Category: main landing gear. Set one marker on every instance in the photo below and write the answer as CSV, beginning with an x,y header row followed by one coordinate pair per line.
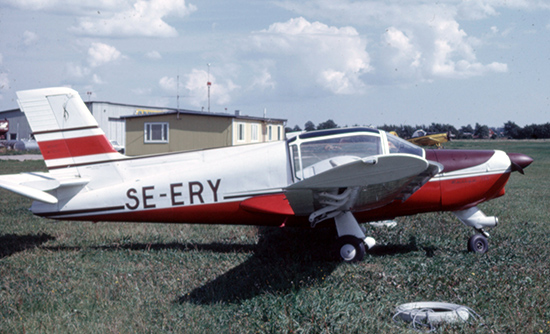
x,y
473,217
352,243
350,248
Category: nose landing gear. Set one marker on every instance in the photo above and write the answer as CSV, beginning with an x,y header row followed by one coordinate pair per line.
x,y
478,244
473,217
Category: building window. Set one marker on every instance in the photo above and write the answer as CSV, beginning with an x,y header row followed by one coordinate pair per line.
x,y
279,133
254,132
240,132
270,133
156,132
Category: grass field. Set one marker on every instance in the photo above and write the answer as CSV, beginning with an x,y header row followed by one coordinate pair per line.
x,y
69,277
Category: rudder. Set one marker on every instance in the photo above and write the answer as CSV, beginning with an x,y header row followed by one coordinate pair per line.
x,y
65,130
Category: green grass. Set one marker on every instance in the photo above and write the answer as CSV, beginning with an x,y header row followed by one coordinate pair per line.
x,y
71,277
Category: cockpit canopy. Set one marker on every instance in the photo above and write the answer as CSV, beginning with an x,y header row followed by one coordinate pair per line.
x,y
315,152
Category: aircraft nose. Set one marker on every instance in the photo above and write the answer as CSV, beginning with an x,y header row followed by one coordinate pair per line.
x,y
519,161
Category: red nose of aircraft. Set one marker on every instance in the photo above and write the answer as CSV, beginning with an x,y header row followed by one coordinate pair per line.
x,y
519,161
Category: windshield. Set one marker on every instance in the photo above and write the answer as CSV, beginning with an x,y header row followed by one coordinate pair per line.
x,y
319,155
398,145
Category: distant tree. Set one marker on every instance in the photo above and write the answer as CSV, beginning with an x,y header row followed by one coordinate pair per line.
x,y
296,128
309,126
512,130
406,131
466,132
528,132
387,128
481,131
543,131
328,124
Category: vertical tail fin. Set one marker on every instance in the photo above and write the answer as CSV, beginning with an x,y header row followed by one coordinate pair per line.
x,y
65,130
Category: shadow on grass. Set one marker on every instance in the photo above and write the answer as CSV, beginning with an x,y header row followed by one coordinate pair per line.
x,y
12,243
392,249
284,260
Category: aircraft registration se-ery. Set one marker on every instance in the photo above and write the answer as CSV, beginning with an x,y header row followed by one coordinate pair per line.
x,y
341,176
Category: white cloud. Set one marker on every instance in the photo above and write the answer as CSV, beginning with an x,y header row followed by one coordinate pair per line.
x,y
453,54
77,71
142,18
401,54
29,37
142,91
100,54
309,55
220,91
422,40
476,9
263,80
4,81
4,78
168,84
79,8
153,55
96,79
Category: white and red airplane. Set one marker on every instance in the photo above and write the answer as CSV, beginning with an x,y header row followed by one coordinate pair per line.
x,y
340,176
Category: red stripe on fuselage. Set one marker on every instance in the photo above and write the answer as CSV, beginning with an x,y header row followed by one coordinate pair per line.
x,y
75,147
215,213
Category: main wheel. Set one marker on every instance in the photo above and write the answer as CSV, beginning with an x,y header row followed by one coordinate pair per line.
x,y
350,248
478,244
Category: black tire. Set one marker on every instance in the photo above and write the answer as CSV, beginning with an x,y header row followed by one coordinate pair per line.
x,y
350,248
478,244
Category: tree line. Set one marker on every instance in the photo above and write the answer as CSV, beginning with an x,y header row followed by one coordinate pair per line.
x,y
509,130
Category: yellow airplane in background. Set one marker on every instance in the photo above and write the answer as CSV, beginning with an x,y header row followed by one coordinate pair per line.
x,y
422,138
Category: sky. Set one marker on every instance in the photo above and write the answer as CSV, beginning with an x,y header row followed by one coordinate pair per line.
x,y
356,62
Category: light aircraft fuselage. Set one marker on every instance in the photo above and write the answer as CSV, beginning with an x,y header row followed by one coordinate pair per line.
x,y
340,176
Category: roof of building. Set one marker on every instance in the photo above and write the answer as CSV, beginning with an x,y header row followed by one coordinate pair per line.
x,y
202,113
171,111
10,110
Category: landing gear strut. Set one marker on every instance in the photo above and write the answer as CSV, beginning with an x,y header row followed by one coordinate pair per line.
x,y
473,217
352,243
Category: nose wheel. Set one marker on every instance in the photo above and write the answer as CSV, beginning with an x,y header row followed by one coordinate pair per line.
x,y
478,244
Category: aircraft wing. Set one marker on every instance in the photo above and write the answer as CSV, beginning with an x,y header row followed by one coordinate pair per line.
x,y
37,185
360,185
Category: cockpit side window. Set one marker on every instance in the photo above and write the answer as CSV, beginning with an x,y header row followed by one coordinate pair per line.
x,y
399,145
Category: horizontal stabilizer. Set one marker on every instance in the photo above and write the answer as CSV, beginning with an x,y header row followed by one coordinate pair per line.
x,y
36,185
29,192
